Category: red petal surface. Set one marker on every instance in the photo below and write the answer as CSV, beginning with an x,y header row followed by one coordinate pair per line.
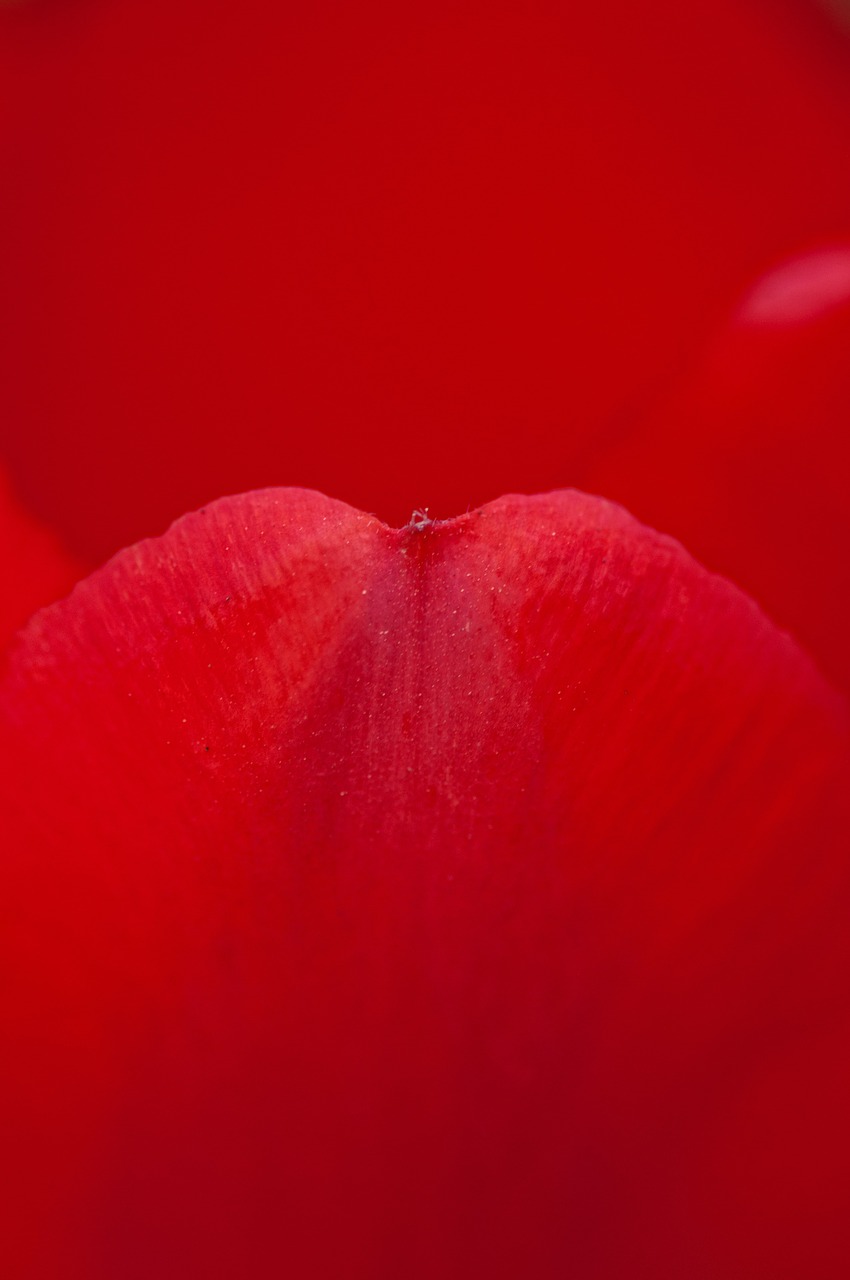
x,y
458,901
405,254
35,569
748,462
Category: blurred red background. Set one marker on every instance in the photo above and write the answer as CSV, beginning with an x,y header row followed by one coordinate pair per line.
x,y
409,255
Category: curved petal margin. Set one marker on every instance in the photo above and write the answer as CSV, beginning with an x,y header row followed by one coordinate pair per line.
x,y
464,899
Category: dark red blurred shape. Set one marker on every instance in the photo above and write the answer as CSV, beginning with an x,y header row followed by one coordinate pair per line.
x,y
35,569
748,459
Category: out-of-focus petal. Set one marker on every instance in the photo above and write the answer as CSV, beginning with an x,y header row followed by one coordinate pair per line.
x,y
800,292
34,569
748,461
465,899
406,254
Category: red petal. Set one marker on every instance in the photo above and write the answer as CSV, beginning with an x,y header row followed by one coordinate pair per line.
x,y
35,569
403,254
459,900
749,462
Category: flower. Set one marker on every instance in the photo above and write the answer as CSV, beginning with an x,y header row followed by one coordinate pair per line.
x,y
469,897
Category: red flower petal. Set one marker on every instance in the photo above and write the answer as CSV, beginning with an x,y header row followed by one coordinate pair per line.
x,y
397,252
749,461
459,900
35,569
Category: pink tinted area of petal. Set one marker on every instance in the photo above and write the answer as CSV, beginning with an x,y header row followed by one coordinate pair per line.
x,y
35,569
435,902
400,253
748,462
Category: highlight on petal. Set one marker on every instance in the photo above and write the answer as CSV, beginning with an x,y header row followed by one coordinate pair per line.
x,y
840,10
803,290
462,899
748,460
35,569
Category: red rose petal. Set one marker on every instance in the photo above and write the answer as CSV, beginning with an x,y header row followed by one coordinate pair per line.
x,y
35,569
749,460
458,900
401,253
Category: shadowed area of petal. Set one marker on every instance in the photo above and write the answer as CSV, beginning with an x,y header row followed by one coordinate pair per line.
x,y
445,901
